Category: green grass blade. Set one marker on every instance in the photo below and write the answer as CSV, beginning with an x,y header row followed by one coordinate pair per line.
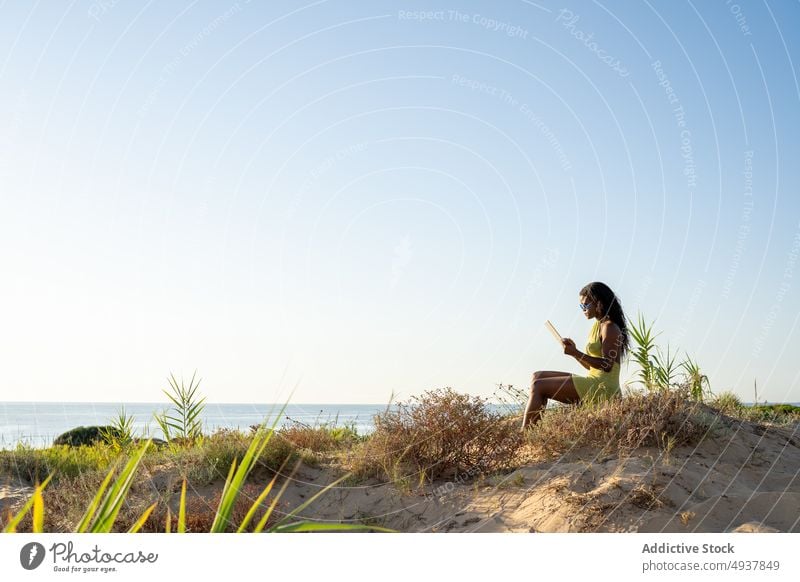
x,y
38,511
11,526
253,508
263,521
112,503
176,427
193,412
171,397
225,503
182,510
308,502
86,521
140,522
235,480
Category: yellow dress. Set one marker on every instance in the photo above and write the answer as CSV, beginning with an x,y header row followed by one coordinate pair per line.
x,y
597,385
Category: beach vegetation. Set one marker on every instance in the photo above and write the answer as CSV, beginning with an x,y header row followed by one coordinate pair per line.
x,y
120,432
727,402
112,493
441,433
234,481
182,421
659,370
643,353
699,384
323,437
661,419
510,398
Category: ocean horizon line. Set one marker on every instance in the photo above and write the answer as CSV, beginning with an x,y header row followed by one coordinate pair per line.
x,y
214,402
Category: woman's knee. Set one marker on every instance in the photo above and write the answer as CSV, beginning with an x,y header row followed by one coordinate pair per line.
x,y
551,387
538,387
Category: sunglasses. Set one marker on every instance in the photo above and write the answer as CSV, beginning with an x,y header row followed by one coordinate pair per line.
x,y
585,306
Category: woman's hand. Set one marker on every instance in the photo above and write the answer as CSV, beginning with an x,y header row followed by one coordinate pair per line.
x,y
569,346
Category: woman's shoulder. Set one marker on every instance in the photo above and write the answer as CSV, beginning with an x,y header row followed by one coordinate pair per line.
x,y
609,326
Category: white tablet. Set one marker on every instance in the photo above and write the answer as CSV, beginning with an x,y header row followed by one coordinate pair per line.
x,y
555,333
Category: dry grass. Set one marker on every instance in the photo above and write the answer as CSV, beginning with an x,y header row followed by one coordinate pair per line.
x,y
319,439
660,419
437,435
687,516
645,496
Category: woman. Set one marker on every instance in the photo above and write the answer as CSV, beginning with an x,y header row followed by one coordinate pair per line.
x,y
608,342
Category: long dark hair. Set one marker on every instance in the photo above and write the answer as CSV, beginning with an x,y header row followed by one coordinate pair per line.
x,y
609,304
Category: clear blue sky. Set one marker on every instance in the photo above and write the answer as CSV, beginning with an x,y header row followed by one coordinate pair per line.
x,y
358,198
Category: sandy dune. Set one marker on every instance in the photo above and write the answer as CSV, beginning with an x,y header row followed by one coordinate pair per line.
x,y
746,480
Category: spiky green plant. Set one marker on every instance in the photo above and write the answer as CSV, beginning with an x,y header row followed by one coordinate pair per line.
x,y
699,384
183,421
643,337
120,434
665,369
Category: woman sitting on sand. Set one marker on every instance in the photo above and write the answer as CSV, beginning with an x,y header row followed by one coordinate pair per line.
x,y
608,342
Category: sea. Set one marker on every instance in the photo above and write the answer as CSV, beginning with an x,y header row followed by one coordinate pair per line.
x,y
37,424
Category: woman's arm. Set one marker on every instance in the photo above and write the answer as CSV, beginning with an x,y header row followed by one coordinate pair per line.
x,y
588,361
579,356
610,337
571,350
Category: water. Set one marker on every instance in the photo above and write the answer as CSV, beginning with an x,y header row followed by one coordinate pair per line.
x,y
38,423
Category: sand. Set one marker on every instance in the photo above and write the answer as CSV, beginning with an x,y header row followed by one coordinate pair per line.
x,y
747,480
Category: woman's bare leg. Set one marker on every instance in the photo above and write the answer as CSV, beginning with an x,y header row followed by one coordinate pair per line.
x,y
546,385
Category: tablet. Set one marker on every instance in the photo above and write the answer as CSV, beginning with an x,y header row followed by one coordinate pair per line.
x,y
555,333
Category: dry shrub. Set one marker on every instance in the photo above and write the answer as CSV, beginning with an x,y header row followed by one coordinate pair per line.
x,y
659,419
439,434
319,439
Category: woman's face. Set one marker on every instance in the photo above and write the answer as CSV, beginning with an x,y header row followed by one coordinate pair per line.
x,y
591,311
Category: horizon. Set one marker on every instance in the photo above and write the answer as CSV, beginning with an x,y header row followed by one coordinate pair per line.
x,y
345,202
219,403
